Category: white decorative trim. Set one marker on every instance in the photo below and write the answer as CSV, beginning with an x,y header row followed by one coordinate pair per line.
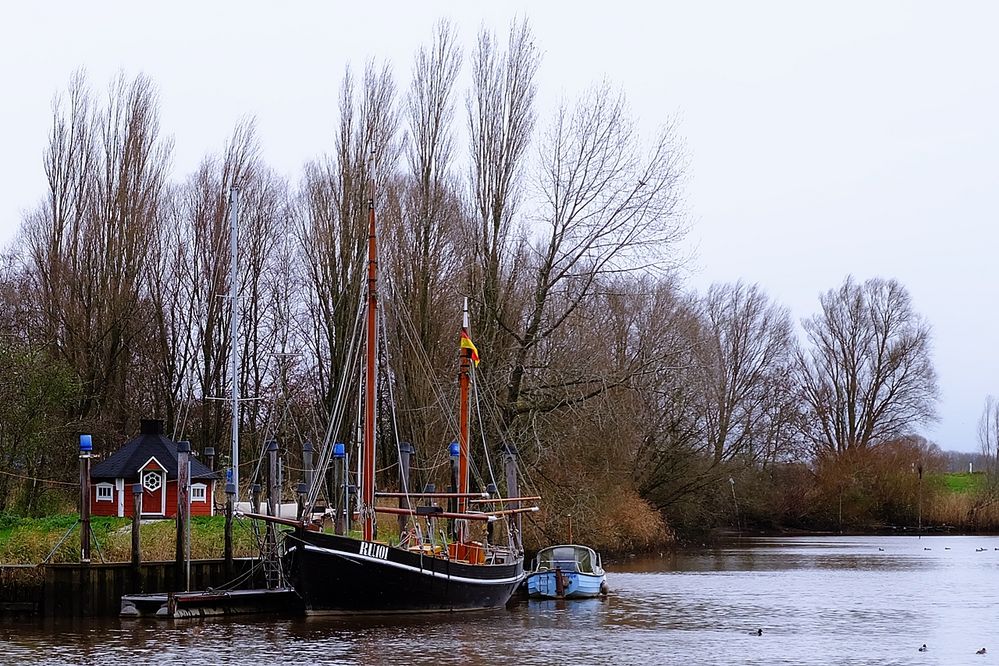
x,y
119,486
105,492
425,572
153,459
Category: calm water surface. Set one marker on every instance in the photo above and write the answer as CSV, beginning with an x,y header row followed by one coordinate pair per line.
x,y
819,600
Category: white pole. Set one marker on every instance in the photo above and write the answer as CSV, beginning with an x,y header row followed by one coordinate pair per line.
x,y
233,334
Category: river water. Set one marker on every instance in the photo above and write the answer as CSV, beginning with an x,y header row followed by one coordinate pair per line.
x,y
818,600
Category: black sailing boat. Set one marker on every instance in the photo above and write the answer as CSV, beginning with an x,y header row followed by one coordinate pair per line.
x,y
428,571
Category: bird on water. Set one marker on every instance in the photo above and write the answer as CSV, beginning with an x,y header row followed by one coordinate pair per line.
x,y
982,651
924,648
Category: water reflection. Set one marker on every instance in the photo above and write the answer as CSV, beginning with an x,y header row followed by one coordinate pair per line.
x,y
841,600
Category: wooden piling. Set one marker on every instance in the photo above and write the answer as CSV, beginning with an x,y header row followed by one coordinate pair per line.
x,y
255,497
341,519
273,509
307,451
183,576
86,447
513,490
230,494
405,452
136,540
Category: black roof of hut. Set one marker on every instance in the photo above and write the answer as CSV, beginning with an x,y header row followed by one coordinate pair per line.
x,y
149,443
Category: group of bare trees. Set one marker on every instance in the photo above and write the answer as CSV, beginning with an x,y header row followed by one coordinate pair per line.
x,y
603,371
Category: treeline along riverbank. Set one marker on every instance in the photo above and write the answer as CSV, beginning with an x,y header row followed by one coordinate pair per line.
x,y
636,404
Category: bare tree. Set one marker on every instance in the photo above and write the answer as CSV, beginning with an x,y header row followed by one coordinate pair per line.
x,y
607,210
87,243
743,354
329,217
204,276
867,377
988,433
501,119
168,351
424,262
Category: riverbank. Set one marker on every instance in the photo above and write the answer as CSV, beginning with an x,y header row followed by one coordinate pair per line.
x,y
56,539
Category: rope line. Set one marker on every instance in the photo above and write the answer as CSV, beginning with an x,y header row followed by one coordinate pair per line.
x,y
37,479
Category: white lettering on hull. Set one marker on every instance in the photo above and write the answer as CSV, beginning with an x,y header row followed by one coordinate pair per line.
x,y
375,550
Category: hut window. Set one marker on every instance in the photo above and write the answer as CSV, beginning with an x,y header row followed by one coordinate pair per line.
x,y
198,492
105,492
151,481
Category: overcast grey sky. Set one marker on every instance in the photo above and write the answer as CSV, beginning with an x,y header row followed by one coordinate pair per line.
x,y
843,138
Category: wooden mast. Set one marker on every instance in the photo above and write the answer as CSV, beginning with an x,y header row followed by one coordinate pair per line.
x,y
465,356
368,449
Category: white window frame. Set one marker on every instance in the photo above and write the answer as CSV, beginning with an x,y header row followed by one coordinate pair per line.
x,y
199,492
105,492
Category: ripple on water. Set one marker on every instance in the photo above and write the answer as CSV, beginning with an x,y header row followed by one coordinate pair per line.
x,y
818,600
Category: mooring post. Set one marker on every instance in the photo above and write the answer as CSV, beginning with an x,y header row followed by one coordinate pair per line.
x,y
305,487
86,449
230,494
513,490
183,580
430,524
301,491
308,480
493,493
454,451
341,519
273,509
136,541
255,497
405,453
273,487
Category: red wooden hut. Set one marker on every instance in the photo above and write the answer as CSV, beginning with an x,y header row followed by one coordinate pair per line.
x,y
150,458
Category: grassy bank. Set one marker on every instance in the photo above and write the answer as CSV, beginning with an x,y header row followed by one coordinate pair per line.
x,y
57,538
964,501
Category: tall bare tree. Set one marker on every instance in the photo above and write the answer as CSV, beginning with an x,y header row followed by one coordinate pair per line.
x,y
204,276
329,216
867,376
607,209
988,434
422,245
501,118
106,168
743,354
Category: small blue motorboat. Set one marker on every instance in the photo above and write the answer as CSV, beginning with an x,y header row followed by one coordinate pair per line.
x,y
568,571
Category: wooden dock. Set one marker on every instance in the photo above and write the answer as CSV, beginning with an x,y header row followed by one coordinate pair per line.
x,y
97,589
176,605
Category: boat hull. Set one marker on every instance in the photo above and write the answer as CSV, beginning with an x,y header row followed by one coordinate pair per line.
x,y
335,574
544,585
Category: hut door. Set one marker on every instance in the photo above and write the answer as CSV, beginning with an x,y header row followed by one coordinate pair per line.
x,y
153,492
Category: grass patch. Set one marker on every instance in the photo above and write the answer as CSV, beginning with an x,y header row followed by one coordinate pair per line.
x,y
963,482
31,540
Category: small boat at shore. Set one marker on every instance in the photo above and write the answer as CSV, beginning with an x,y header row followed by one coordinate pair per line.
x,y
568,571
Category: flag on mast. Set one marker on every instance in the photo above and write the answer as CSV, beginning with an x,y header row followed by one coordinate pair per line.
x,y
466,343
